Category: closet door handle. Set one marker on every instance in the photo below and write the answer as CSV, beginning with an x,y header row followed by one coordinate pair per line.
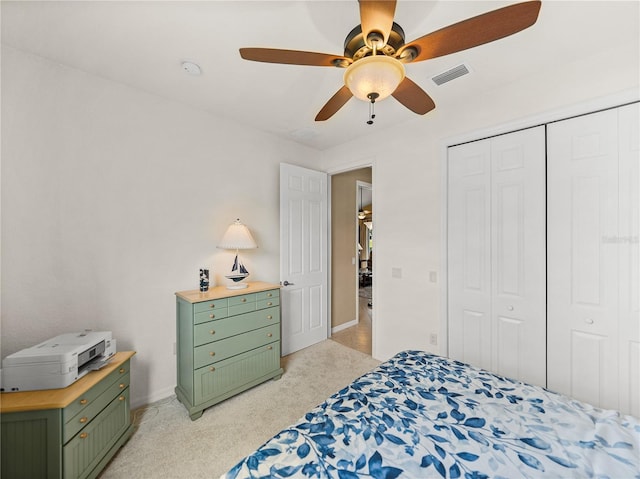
x,y
589,321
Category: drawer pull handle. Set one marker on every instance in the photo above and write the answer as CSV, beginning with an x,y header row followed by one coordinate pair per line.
x,y
212,353
212,369
212,306
269,347
269,335
83,420
121,398
212,316
269,316
122,370
84,435
212,332
83,401
122,385
589,321
244,300
269,303
269,295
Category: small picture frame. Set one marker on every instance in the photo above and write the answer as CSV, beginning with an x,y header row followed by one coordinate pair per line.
x,y
204,279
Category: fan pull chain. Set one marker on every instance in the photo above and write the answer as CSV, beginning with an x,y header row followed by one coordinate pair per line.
x,y
372,114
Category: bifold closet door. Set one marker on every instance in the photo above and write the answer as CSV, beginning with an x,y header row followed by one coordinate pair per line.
x,y
469,253
593,351
496,251
629,258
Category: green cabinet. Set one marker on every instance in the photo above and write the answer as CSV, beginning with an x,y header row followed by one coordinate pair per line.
x,y
71,432
227,342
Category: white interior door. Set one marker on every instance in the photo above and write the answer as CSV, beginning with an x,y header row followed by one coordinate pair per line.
x,y
629,258
303,257
469,253
583,258
496,254
518,249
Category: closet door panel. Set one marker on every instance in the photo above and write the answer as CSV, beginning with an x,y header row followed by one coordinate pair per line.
x,y
469,267
629,258
518,251
582,188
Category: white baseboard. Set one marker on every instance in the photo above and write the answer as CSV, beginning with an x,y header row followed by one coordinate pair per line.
x,y
151,398
344,326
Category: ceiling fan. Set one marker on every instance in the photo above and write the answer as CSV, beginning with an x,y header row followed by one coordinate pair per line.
x,y
375,53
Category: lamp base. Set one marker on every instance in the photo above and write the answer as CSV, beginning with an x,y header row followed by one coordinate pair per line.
x,y
238,286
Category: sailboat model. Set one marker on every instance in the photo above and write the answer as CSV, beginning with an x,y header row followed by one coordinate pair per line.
x,y
238,271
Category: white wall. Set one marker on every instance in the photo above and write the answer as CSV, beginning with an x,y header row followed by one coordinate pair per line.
x,y
408,183
112,199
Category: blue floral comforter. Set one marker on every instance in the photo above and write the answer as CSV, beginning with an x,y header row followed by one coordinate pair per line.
x,y
424,416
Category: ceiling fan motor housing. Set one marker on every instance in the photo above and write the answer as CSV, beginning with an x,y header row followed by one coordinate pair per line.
x,y
355,45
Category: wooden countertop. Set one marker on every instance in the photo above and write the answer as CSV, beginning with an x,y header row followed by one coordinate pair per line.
x,y
59,398
219,292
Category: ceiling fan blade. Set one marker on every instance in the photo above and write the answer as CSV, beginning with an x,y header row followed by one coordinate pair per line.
x,y
377,16
413,97
294,57
474,31
336,102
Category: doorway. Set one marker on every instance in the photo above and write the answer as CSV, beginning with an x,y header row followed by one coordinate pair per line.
x,y
352,259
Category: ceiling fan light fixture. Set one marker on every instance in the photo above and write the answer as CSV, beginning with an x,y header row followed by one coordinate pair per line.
x,y
374,74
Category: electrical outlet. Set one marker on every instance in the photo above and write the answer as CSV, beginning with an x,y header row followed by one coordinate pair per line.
x,y
396,273
434,339
433,276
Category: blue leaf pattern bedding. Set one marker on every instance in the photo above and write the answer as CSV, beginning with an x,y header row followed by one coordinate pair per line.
x,y
423,416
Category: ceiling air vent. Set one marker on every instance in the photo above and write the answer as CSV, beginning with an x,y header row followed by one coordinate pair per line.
x,y
449,75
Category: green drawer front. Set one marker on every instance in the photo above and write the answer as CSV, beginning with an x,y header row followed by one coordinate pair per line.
x,y
217,330
245,298
219,350
211,315
236,372
85,450
92,394
272,293
267,303
242,308
85,416
210,305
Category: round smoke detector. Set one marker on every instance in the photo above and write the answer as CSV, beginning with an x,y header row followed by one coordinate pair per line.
x,y
191,68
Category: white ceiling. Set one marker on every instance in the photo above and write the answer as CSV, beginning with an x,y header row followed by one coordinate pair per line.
x,y
142,44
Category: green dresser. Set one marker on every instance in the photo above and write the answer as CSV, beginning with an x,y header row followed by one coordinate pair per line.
x,y
227,342
71,432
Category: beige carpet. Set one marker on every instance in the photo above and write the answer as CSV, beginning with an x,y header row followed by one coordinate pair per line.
x,y
168,444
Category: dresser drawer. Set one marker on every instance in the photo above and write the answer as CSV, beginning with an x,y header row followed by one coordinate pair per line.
x,y
243,299
267,303
84,401
85,416
233,373
219,350
210,305
210,315
273,293
217,330
85,451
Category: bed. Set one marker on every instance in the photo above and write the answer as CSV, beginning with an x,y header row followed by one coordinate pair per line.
x,y
420,415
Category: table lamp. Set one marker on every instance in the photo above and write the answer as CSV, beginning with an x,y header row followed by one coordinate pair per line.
x,y
237,237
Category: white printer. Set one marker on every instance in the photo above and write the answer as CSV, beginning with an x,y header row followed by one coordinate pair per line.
x,y
58,362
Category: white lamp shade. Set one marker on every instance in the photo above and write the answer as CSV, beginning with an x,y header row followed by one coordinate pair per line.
x,y
237,236
375,74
